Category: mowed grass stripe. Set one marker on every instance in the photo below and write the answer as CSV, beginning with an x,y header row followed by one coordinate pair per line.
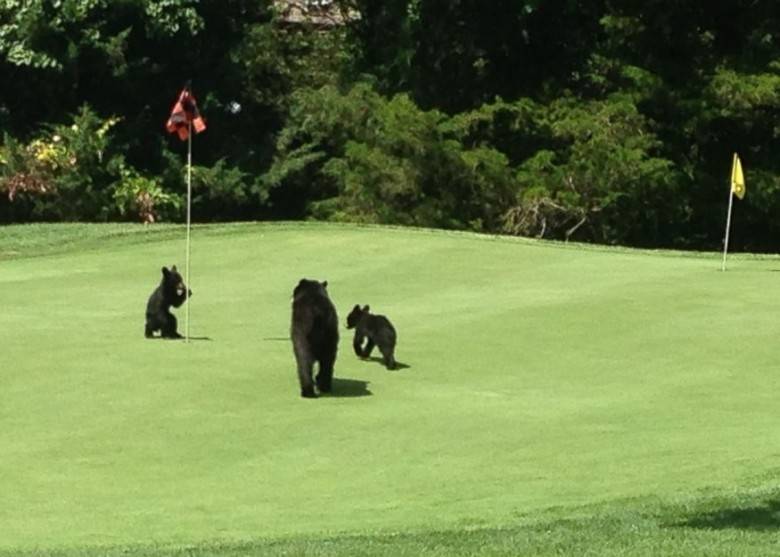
x,y
539,378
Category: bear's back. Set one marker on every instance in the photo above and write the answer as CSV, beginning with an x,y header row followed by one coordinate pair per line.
x,y
379,325
312,308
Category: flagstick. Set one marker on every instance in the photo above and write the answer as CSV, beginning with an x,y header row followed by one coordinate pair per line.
x,y
189,220
728,227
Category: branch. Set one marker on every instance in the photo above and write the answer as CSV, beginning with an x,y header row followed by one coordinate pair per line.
x,y
574,228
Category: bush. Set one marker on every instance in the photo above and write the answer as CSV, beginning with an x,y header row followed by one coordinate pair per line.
x,y
65,173
24,178
143,198
358,156
600,179
222,192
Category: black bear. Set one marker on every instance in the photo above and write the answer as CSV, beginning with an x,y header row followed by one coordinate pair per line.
x,y
315,335
377,329
171,292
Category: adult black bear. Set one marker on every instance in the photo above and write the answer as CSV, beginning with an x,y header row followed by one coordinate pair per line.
x,y
377,329
171,292
315,335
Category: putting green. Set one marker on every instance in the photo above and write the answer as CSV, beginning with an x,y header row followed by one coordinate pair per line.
x,y
539,377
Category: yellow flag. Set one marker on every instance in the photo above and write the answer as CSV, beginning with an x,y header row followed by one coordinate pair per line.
x,y
737,178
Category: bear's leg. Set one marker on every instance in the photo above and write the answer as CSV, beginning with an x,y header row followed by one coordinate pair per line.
x,y
305,363
387,356
325,375
357,344
150,327
169,326
368,348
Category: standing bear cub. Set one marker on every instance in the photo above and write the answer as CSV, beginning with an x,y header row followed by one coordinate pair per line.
x,y
315,335
377,329
171,292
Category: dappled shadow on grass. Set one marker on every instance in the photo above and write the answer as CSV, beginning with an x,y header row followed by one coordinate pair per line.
x,y
398,365
763,517
349,388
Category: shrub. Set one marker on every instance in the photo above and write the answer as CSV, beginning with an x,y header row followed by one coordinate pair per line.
x,y
143,198
66,172
358,156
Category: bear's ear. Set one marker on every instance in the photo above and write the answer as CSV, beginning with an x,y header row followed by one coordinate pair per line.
x,y
356,308
173,268
165,271
365,308
325,284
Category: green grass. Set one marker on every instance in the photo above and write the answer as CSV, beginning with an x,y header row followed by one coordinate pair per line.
x,y
558,399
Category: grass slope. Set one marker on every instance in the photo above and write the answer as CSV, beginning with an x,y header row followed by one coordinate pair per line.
x,y
556,399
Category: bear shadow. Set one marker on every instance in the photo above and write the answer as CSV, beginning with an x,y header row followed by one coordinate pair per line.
x,y
398,365
349,388
764,517
182,339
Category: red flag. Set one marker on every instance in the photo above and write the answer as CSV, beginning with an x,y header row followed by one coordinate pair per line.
x,y
185,111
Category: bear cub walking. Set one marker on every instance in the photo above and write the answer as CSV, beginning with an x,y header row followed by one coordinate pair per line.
x,y
315,335
377,329
171,292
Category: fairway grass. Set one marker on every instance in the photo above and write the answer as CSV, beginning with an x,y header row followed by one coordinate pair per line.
x,y
556,400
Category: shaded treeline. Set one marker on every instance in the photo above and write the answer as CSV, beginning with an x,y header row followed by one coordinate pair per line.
x,y
604,121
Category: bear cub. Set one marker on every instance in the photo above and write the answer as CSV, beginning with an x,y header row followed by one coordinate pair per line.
x,y
377,329
171,292
315,335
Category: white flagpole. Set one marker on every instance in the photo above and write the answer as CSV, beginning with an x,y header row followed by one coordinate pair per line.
x,y
189,221
728,217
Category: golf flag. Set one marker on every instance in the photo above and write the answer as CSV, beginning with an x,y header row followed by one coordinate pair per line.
x,y
737,178
184,112
184,118
737,188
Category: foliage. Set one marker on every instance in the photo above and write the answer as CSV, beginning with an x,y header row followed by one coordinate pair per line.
x,y
603,171
601,121
24,169
275,61
224,192
33,32
376,160
143,198
68,169
739,95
